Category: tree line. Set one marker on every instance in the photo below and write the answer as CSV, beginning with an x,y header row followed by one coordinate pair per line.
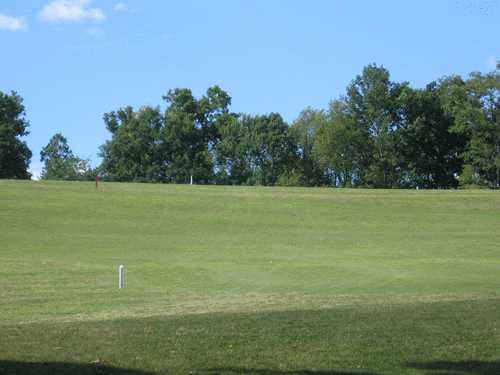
x,y
380,133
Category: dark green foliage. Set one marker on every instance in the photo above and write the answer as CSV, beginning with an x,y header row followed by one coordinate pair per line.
x,y
380,134
474,105
199,138
342,147
304,132
271,148
372,102
234,152
190,130
429,153
470,179
479,119
133,153
14,153
61,163
386,134
149,146
254,150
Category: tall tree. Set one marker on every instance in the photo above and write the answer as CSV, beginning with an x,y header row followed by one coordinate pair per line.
x,y
341,146
185,138
373,103
483,151
429,152
134,151
304,132
149,146
475,105
233,154
255,150
14,153
271,148
213,109
191,132
60,163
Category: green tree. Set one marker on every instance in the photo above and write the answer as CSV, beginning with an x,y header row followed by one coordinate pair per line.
x,y
469,178
272,150
373,102
304,133
341,147
148,146
212,110
134,152
475,106
255,150
14,153
185,139
233,154
429,152
191,133
483,116
61,164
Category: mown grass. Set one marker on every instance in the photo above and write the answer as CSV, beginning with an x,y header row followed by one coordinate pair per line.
x,y
247,280
462,337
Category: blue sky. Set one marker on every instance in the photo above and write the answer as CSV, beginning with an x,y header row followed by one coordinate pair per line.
x,y
73,60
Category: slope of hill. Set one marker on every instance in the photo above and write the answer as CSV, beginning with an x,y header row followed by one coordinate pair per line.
x,y
229,280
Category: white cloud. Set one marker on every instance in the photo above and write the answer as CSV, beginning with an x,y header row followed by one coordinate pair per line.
x,y
491,62
9,23
71,11
121,7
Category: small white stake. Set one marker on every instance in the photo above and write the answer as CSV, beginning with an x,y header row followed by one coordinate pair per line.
x,y
191,181
121,276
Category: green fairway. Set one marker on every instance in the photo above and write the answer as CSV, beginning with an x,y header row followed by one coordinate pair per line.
x,y
228,280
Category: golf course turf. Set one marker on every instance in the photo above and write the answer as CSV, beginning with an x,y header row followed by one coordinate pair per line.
x,y
247,280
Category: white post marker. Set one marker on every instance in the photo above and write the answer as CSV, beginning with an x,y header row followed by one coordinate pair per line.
x,y
121,276
191,181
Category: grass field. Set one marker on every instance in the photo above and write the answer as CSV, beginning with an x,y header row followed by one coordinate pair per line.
x,y
247,280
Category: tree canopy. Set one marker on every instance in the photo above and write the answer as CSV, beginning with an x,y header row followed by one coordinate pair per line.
x,y
380,133
61,164
14,153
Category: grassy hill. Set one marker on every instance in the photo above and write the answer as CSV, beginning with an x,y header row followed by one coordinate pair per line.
x,y
237,280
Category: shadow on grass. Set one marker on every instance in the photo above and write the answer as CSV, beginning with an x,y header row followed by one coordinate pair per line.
x,y
462,367
255,371
60,368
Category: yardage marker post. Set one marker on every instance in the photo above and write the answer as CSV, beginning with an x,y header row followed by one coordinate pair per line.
x,y
121,276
